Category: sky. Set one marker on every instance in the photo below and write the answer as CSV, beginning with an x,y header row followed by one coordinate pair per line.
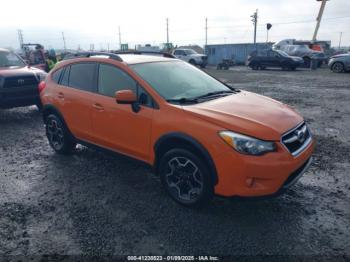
x,y
144,22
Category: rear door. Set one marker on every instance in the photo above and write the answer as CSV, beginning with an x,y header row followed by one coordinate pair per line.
x,y
117,126
75,96
274,58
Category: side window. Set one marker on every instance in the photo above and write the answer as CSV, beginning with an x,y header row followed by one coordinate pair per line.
x,y
65,76
111,79
56,75
81,76
177,52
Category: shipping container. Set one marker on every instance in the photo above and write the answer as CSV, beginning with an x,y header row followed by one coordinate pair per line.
x,y
238,52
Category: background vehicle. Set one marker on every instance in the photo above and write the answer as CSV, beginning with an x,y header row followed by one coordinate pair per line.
x,y
305,49
187,130
18,82
273,58
340,63
191,56
226,64
34,55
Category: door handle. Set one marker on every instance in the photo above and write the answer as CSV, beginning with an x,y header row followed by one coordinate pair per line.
x,y
60,95
98,107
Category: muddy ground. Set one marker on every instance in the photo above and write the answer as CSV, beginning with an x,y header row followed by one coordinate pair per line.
x,y
94,203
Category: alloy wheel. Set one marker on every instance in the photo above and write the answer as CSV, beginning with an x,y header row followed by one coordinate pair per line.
x,y
184,179
55,134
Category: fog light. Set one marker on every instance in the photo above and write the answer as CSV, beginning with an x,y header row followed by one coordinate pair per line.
x,y
250,181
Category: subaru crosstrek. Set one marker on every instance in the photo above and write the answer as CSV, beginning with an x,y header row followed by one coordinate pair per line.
x,y
201,136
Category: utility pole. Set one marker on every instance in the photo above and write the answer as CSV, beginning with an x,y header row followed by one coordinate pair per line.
x,y
318,19
255,23
64,42
120,39
206,32
340,37
20,38
167,31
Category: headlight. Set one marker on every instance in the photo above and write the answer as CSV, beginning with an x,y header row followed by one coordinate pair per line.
x,y
247,145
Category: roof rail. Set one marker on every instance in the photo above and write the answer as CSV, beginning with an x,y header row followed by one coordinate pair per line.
x,y
89,54
164,54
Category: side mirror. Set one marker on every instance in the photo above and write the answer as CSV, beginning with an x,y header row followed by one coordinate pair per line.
x,y
127,97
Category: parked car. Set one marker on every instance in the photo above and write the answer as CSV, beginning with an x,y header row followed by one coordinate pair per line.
x,y
18,81
261,59
201,136
191,57
340,63
306,53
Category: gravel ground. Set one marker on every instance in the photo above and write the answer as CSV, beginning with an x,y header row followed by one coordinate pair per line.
x,y
94,203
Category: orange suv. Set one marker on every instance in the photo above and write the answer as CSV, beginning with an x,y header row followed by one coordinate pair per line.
x,y
201,136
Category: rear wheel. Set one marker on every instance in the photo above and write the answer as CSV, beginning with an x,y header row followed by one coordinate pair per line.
x,y
58,135
337,67
186,177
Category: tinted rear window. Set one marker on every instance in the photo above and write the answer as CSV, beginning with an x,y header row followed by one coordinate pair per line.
x,y
81,76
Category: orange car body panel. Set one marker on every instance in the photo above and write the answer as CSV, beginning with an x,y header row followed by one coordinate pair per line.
x,y
99,120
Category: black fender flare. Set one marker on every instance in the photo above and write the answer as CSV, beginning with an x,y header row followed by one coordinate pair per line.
x,y
190,141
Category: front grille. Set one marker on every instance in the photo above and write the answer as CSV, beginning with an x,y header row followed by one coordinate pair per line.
x,y
297,139
20,81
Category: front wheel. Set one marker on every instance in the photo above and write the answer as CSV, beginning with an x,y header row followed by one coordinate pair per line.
x,y
186,178
337,67
58,135
192,62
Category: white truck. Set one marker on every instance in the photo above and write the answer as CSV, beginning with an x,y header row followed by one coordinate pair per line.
x,y
191,57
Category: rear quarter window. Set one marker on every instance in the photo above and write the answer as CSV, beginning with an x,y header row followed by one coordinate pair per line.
x,y
82,76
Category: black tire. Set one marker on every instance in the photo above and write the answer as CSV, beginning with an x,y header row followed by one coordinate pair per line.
x,y
180,170
338,67
58,135
255,66
203,66
192,62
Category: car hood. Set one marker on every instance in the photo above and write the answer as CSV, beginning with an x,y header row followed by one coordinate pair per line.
x,y
341,55
248,113
15,71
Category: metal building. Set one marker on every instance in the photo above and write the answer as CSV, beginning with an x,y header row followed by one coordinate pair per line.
x,y
238,52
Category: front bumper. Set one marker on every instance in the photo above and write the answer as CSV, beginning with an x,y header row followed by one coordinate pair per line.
x,y
17,97
252,176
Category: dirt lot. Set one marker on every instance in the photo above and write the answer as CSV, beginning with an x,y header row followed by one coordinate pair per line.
x,y
97,204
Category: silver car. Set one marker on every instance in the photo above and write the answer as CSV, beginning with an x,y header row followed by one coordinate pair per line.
x,y
339,63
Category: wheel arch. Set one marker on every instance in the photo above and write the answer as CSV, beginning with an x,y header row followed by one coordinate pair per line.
x,y
51,109
180,140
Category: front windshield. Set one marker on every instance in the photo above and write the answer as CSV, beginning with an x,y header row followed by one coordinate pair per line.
x,y
178,80
8,59
190,52
282,53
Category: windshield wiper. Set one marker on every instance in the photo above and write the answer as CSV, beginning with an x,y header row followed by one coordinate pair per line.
x,y
183,100
210,94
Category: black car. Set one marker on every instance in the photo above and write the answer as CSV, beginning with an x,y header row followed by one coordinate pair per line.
x,y
18,81
261,59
